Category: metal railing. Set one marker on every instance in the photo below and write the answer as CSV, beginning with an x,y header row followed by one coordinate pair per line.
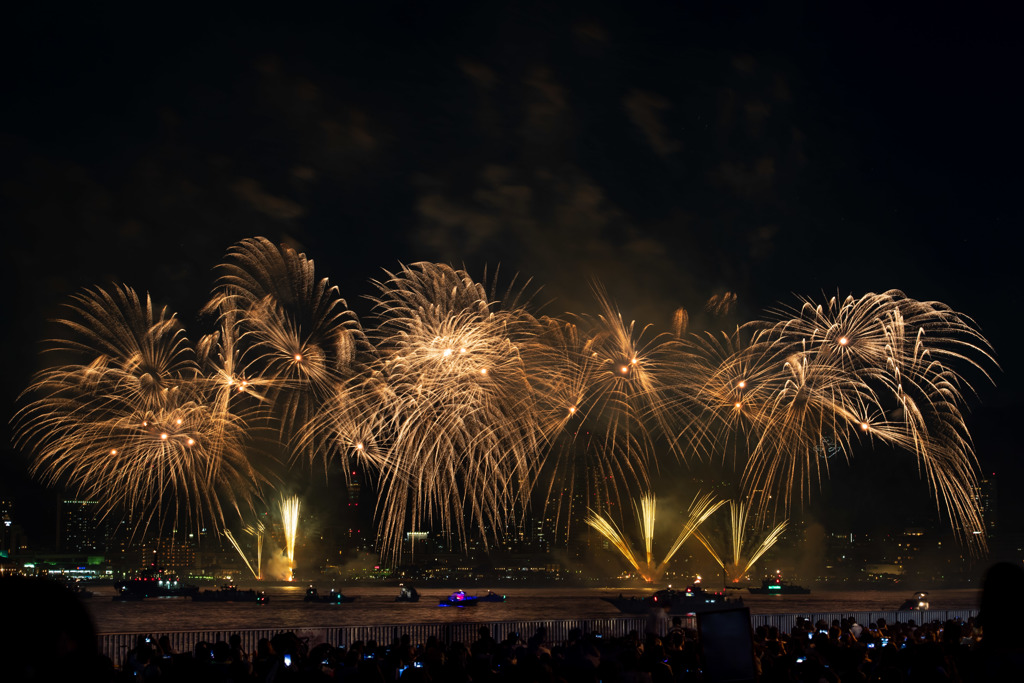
x,y
117,645
786,622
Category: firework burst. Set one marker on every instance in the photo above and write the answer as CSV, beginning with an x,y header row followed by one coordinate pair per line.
x,y
461,403
700,509
287,337
604,391
450,396
128,421
737,560
839,377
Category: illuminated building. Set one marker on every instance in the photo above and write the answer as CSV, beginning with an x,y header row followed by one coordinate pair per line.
x,y
985,495
77,528
6,528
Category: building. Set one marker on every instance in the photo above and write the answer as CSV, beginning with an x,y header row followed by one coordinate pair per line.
x,y
985,496
6,528
78,531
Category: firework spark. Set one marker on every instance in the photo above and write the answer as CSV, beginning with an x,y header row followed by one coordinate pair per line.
x,y
290,523
241,553
700,509
461,403
289,339
128,420
741,558
257,531
879,368
604,388
450,397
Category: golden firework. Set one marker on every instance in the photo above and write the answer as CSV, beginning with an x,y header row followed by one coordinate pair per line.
x,y
738,558
290,525
700,509
461,403
831,379
127,420
449,395
289,339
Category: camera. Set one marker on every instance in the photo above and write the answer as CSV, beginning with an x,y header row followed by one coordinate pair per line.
x,y
287,660
871,645
801,660
885,641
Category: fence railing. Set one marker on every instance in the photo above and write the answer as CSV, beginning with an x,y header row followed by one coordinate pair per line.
x,y
117,645
786,622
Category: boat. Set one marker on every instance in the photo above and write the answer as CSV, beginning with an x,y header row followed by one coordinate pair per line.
x,y
407,594
918,602
153,583
332,598
694,598
459,599
491,597
776,585
75,586
230,593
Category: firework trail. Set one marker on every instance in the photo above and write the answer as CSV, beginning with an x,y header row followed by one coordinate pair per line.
x,y
241,553
741,558
700,509
257,531
290,523
128,420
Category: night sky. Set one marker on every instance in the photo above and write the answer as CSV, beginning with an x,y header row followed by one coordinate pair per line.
x,y
672,153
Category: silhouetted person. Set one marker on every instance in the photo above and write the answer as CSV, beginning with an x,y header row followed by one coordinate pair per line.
x,y
1001,649
46,634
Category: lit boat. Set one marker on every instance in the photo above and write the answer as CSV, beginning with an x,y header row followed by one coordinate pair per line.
x,y
491,597
458,599
693,599
407,594
230,593
332,598
918,602
777,586
153,583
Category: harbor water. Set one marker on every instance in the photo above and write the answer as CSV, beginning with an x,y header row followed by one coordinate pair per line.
x,y
375,605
